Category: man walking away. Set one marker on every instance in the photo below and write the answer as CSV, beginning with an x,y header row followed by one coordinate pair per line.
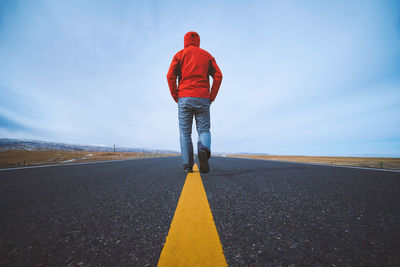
x,y
193,66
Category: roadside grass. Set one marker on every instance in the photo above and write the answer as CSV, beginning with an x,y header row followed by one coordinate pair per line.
x,y
17,158
384,163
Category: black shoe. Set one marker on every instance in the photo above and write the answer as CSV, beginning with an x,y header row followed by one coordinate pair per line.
x,y
188,169
203,159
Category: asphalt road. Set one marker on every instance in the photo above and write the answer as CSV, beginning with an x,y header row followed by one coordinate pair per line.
x,y
267,213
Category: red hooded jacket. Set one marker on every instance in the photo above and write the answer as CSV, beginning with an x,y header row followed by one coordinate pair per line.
x,y
192,66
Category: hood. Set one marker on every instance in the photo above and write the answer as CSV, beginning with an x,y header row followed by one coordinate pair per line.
x,y
191,38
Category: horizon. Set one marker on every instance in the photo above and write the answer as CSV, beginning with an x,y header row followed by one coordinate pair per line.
x,y
300,78
216,152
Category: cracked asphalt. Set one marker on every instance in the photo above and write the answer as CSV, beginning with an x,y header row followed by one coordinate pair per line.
x,y
267,213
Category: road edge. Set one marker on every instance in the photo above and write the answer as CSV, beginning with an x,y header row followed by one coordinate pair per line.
x,y
76,163
319,164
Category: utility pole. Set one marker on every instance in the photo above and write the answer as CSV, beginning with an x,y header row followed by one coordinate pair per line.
x,y
114,149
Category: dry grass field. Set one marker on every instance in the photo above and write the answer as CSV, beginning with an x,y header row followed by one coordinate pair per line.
x,y
16,158
386,163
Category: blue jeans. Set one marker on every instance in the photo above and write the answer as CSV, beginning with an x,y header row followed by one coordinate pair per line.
x,y
200,109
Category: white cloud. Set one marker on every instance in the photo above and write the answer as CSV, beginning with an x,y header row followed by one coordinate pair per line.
x,y
297,76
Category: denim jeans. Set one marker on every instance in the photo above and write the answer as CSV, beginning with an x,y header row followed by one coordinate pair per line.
x,y
200,109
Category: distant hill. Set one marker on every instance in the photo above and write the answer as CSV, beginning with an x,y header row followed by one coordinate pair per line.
x,y
24,144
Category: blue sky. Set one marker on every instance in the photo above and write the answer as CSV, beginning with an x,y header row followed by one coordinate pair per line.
x,y
300,77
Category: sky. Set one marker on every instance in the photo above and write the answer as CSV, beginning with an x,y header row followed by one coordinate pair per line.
x,y
300,77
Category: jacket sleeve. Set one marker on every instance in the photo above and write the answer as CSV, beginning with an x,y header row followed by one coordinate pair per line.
x,y
172,74
217,79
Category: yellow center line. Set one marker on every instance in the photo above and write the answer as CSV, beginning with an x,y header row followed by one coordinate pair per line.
x,y
193,238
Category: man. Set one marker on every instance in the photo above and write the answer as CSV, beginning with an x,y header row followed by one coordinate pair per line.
x,y
193,66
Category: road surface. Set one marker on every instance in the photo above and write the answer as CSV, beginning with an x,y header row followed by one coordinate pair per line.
x,y
266,213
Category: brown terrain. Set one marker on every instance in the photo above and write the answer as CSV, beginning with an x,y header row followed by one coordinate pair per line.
x,y
16,158
385,163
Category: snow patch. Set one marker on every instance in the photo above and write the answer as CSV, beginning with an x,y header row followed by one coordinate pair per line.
x,y
69,160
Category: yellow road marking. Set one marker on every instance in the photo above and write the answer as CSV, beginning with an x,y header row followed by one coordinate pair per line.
x,y
193,238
